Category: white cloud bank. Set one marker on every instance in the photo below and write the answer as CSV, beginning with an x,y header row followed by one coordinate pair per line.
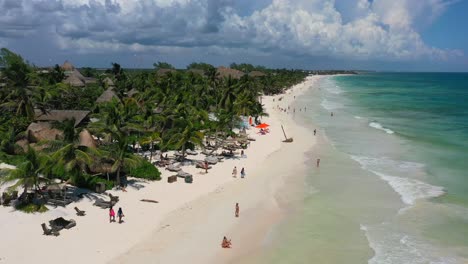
x,y
379,29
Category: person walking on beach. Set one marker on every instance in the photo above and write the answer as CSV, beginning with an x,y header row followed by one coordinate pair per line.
x,y
318,163
234,172
206,166
111,215
242,173
120,215
242,154
237,210
315,131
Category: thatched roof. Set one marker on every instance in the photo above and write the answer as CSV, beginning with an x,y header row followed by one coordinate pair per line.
x,y
256,74
107,96
62,115
197,71
86,139
226,72
165,71
90,80
73,80
132,92
42,131
67,66
108,81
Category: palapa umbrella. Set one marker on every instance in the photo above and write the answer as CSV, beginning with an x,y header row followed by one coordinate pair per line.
x,y
262,125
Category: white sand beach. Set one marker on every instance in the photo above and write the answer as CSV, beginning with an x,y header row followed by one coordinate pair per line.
x,y
190,220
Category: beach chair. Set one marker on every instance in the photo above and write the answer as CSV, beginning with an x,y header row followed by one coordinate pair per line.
x,y
48,231
113,198
79,212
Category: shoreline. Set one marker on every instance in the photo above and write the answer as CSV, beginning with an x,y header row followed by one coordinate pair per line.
x,y
179,204
199,227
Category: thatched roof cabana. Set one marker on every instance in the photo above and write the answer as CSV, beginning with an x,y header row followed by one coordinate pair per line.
x,y
107,96
74,80
86,139
226,72
165,71
62,115
38,131
108,81
67,66
132,92
197,71
256,74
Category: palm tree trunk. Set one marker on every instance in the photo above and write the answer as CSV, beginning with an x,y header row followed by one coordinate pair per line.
x,y
118,177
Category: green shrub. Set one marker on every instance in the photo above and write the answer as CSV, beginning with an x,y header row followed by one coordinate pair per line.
x,y
89,182
31,208
145,170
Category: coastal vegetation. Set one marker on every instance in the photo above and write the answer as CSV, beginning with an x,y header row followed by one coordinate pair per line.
x,y
57,123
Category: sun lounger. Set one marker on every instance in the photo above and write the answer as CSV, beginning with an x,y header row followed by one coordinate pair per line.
x,y
211,160
173,167
191,152
113,198
49,232
201,164
79,212
183,174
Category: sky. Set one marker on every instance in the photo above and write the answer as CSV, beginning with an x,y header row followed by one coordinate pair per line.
x,y
384,35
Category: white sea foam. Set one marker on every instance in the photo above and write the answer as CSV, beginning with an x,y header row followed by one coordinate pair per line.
x,y
329,105
378,126
357,117
334,90
391,246
385,162
411,190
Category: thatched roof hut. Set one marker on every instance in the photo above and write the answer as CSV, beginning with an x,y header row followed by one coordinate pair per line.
x,y
73,80
61,115
108,81
38,131
86,139
197,71
226,72
67,66
164,71
107,96
132,92
256,74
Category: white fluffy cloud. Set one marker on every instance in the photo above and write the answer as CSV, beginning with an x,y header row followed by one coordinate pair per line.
x,y
379,29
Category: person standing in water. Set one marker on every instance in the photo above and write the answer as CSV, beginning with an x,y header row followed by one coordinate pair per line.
x,y
237,210
120,215
331,114
315,131
318,163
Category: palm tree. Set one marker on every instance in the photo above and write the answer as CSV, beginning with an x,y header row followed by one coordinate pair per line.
x,y
27,173
188,135
150,139
17,74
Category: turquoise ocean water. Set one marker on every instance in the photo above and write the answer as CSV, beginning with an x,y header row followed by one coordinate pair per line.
x,y
392,186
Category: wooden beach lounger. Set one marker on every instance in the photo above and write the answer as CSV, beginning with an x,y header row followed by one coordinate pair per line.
x,y
79,212
49,232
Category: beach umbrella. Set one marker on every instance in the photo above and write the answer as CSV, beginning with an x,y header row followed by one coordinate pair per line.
x,y
263,125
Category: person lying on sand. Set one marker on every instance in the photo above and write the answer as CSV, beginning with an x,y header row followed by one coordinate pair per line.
x,y
226,243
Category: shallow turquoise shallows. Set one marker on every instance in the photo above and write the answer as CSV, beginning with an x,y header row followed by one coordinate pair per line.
x,y
392,186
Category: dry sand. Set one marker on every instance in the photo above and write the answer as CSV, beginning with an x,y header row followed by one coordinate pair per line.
x,y
189,221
